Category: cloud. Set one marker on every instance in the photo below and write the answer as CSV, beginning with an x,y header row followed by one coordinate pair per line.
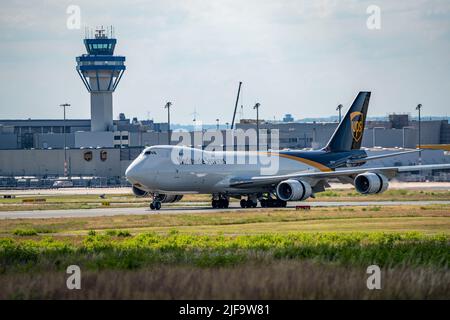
x,y
300,57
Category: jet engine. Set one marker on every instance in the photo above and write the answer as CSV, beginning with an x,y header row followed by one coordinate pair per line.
x,y
371,183
139,192
169,198
293,190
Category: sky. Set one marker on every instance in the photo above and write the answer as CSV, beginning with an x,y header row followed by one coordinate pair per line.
x,y
298,57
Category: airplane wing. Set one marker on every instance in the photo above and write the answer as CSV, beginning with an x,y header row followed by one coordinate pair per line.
x,y
344,173
381,156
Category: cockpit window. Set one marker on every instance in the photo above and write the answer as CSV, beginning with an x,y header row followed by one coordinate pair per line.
x,y
149,152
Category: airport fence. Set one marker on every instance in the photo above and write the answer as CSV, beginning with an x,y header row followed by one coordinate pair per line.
x,y
7,183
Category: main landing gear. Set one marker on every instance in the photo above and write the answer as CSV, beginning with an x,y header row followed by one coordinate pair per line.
x,y
220,202
266,201
272,203
248,203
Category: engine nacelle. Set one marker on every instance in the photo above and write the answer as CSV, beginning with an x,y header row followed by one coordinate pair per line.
x,y
139,192
293,190
169,198
371,183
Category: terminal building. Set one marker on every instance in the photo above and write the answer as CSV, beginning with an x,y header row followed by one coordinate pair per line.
x,y
33,150
97,151
397,131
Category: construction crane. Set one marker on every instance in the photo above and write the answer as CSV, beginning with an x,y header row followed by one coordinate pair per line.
x,y
236,104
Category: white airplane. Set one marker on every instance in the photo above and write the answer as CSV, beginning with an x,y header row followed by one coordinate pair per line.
x,y
300,174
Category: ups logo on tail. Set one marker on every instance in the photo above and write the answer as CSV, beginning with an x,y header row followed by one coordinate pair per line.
x,y
357,120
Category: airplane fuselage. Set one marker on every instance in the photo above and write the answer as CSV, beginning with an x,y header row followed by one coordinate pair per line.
x,y
156,169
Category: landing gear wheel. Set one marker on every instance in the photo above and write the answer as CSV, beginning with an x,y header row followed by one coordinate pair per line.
x,y
263,203
155,205
250,204
280,203
273,203
221,203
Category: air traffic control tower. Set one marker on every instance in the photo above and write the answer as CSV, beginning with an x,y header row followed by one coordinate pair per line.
x,y
101,71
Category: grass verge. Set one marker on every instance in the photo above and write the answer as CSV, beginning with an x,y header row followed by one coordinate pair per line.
x,y
98,252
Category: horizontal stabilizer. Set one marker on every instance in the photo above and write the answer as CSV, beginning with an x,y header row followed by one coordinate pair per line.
x,y
381,156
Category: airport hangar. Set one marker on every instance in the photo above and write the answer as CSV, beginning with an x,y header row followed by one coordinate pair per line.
x,y
97,151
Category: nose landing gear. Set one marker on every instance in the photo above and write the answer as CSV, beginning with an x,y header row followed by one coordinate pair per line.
x,y
155,204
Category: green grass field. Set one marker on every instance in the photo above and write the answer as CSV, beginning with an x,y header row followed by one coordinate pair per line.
x,y
251,254
429,219
123,251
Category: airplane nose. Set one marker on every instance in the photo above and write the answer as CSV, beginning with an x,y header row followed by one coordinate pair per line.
x,y
131,173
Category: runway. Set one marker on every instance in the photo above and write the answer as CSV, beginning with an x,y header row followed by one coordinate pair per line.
x,y
127,190
194,208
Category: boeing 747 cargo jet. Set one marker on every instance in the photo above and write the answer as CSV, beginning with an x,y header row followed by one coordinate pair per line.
x,y
299,175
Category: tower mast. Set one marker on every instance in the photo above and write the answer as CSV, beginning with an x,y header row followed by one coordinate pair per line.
x,y
101,71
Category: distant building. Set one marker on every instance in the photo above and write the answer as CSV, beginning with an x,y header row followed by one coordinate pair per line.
x,y
250,121
49,133
399,121
288,118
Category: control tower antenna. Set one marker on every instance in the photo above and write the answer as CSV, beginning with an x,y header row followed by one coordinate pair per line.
x,y
101,71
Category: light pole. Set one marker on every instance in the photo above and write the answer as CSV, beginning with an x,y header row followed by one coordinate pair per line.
x,y
167,106
227,123
419,108
64,105
339,107
217,123
257,125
